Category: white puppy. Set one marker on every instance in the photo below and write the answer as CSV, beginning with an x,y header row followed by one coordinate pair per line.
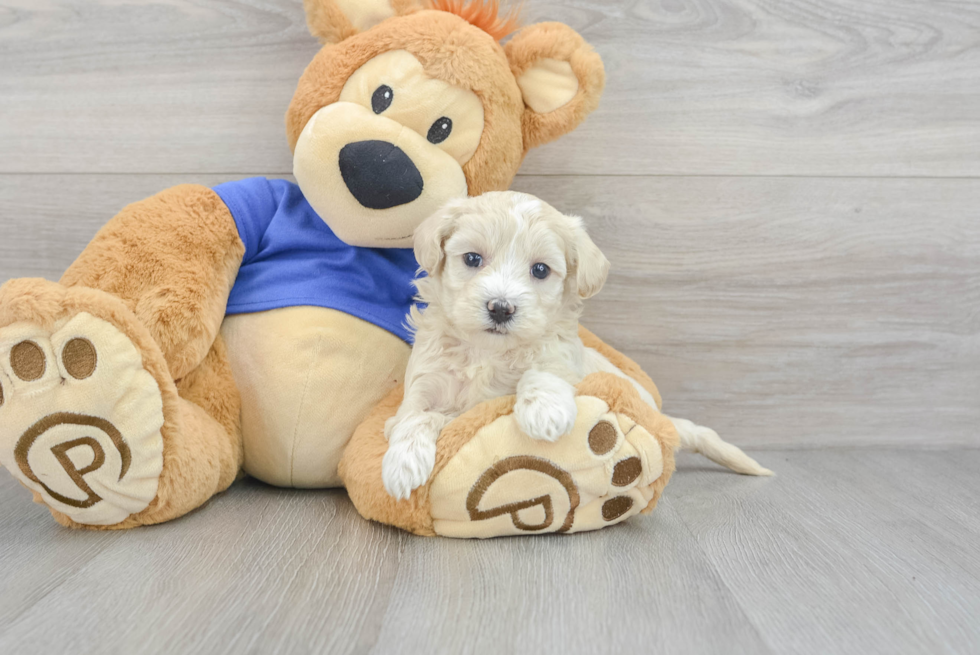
x,y
507,274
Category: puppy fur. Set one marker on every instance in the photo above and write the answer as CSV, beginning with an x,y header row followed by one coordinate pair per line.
x,y
480,254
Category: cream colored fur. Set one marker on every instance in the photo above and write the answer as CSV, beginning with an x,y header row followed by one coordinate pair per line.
x,y
549,84
462,357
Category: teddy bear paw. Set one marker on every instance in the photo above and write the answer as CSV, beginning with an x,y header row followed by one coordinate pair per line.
x,y
80,418
605,470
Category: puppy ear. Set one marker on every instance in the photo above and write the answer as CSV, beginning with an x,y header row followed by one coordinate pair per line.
x,y
591,266
560,76
431,235
332,21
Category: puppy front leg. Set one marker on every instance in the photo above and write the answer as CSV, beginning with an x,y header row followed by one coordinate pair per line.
x,y
545,407
412,434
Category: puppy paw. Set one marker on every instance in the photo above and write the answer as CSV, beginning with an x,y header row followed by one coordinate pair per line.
x,y
407,466
545,407
411,453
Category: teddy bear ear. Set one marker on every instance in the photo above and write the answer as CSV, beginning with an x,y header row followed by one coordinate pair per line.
x,y
332,21
560,76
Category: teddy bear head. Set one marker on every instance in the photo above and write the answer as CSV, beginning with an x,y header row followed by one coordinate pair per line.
x,y
409,105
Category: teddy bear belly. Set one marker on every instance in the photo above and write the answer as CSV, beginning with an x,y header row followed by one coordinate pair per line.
x,y
307,376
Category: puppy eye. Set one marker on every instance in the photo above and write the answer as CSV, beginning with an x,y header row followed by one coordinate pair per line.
x,y
440,130
472,260
382,98
540,271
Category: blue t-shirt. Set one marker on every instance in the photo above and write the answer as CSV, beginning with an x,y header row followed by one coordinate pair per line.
x,y
292,258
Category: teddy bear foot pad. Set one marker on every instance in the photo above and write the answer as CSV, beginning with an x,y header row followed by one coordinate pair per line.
x,y
599,474
80,418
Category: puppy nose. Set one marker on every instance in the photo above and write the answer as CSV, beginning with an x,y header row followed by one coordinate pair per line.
x,y
500,310
379,174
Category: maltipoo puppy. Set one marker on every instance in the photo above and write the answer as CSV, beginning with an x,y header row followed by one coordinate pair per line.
x,y
506,277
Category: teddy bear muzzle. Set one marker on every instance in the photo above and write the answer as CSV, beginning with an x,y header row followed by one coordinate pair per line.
x,y
371,179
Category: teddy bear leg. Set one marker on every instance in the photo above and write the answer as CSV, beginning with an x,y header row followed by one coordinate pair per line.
x,y
172,258
613,464
490,479
91,420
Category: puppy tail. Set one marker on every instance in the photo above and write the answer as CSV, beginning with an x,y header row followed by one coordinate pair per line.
x,y
699,439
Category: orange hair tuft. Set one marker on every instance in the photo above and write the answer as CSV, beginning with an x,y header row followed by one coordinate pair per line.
x,y
484,14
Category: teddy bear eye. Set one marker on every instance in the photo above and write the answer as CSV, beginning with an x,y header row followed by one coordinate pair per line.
x,y
472,259
440,130
382,98
540,271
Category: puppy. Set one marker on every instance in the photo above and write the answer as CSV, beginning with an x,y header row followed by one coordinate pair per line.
x,y
506,277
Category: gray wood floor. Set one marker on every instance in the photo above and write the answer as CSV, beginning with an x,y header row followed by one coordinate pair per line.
x,y
789,193
846,551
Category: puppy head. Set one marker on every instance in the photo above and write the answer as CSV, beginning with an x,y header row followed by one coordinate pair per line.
x,y
507,268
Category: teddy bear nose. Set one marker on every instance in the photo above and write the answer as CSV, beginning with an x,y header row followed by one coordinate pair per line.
x,y
379,174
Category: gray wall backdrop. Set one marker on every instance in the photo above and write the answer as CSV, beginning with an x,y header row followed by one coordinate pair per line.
x,y
789,191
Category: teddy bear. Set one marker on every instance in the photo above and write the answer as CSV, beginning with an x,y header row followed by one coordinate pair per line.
x,y
258,327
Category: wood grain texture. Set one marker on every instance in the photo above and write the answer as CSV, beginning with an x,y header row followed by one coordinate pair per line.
x,y
780,311
879,575
644,588
255,569
846,551
735,87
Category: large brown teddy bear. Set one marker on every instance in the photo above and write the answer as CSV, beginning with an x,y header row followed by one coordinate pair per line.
x,y
252,328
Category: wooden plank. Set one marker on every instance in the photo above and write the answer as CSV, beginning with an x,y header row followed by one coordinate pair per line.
x,y
182,86
265,570
939,490
826,558
36,555
256,568
737,87
846,551
795,87
780,311
639,588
